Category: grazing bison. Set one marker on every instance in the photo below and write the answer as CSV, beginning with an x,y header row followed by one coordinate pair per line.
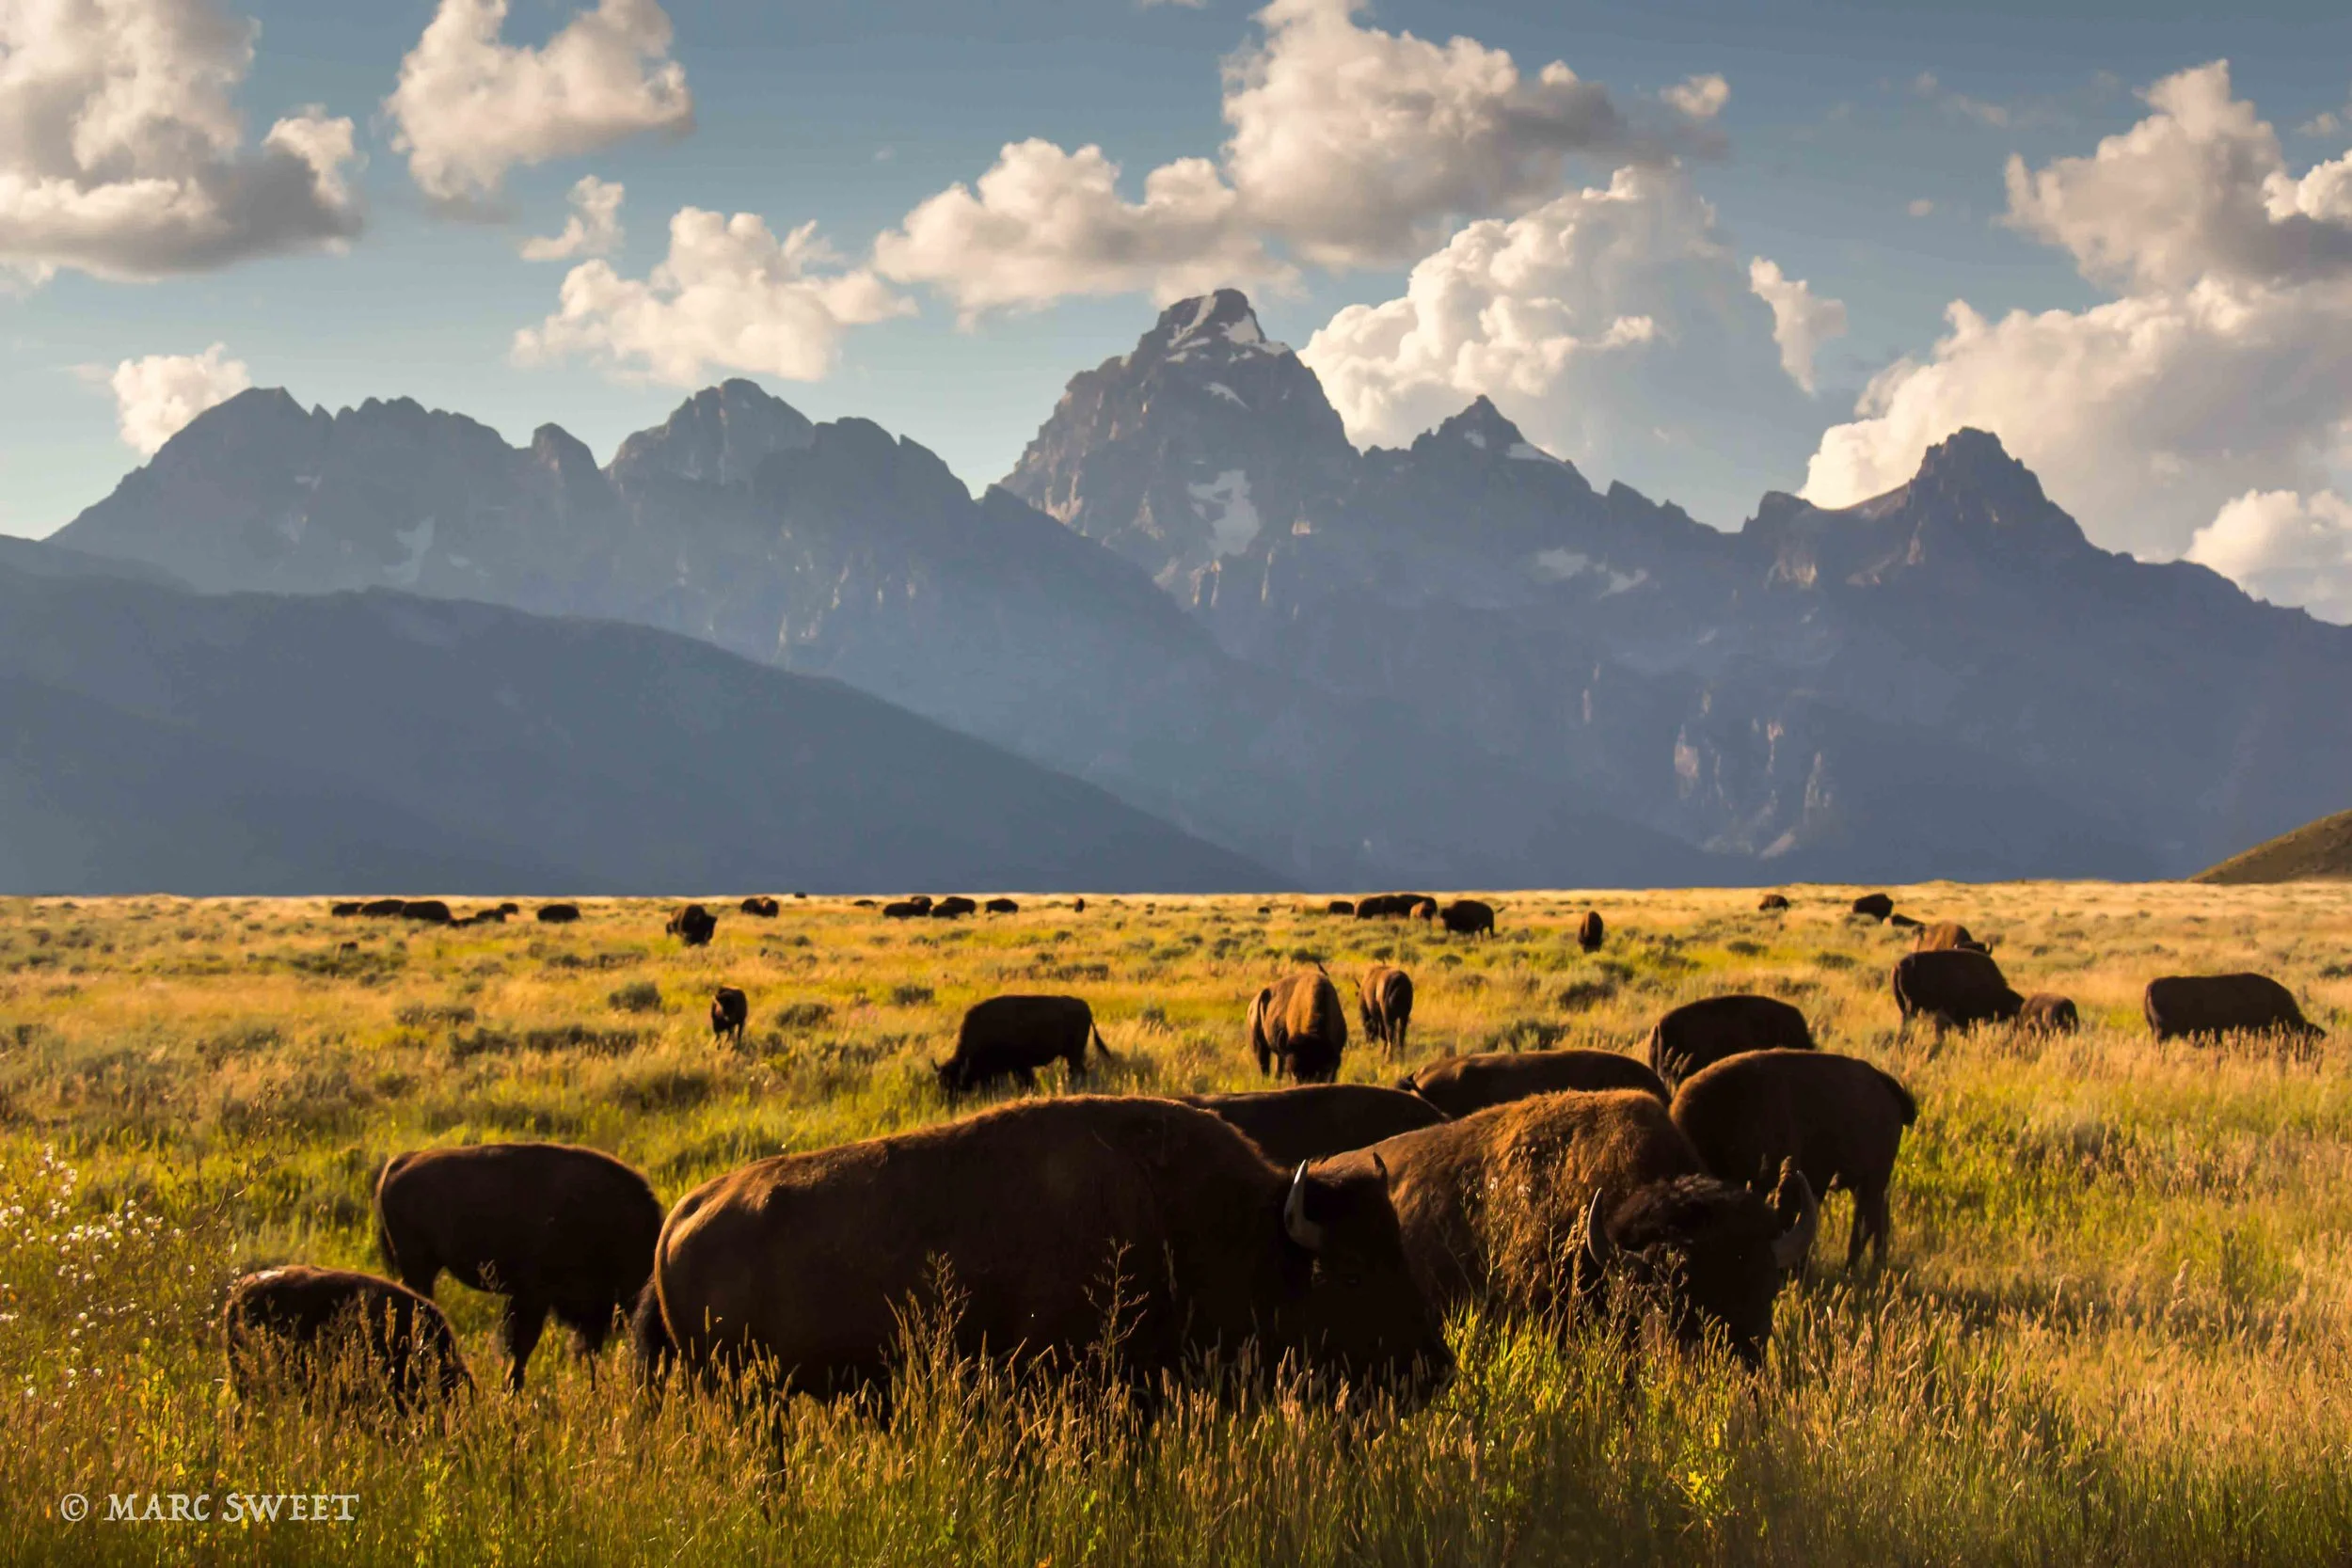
x,y
921,901
1772,902
1040,1216
1462,1086
954,907
2191,1006
329,1323
1956,988
1590,932
1384,1002
693,925
1839,1118
1467,917
730,1010
1388,906
1077,906
1339,905
510,908
1011,1037
1424,910
905,909
1493,1209
1902,923
1878,905
433,912
762,906
2047,1013
1946,936
1317,1120
1296,1027
1698,1035
348,907
559,914
379,908
1002,906
549,1226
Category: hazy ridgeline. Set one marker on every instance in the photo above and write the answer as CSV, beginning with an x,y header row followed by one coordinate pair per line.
x,y
2118,1327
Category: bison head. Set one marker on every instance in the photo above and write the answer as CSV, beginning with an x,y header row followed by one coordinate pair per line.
x,y
1716,1254
1352,1304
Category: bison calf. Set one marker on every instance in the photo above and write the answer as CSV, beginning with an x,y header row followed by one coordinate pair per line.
x,y
2047,1013
549,1226
328,1324
1698,1035
1011,1037
2206,1007
1384,1003
1461,1085
1296,1028
730,1010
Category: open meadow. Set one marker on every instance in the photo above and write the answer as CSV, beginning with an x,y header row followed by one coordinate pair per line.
x,y
2117,1326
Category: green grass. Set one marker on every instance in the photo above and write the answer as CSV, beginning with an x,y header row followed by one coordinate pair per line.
x,y
2118,1327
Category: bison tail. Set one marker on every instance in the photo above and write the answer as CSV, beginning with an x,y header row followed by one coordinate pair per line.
x,y
650,1334
1101,1049
1903,1099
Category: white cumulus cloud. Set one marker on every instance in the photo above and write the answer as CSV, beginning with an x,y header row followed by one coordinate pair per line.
x,y
156,396
469,106
1802,321
122,154
594,228
2288,548
1044,224
730,295
2221,366
1700,97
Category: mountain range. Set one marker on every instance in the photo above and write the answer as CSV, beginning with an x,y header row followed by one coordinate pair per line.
x,y
1459,663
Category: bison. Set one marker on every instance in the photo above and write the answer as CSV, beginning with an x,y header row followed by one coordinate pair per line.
x,y
1035,1221
921,901
432,911
559,914
1590,932
730,1010
1011,1037
1384,1002
693,925
1946,936
2047,1013
1079,906
1296,1027
382,909
1878,905
348,907
1498,1208
1317,1120
1771,903
1462,1086
1956,988
1426,910
1001,906
1467,917
549,1226
332,1323
1902,923
762,906
2192,1007
954,907
1339,905
1698,1035
1839,1118
904,909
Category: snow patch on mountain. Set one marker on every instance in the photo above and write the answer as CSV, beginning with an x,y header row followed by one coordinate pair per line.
x,y
1525,453
1562,565
418,542
1235,524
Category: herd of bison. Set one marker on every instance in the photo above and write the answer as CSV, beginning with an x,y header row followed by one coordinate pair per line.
x,y
1328,1227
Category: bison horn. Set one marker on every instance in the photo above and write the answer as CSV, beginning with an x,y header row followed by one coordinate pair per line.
x,y
1795,1244
1306,1232
1597,1244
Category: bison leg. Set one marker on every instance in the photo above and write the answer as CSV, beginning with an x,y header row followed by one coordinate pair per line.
x,y
525,1319
1882,1223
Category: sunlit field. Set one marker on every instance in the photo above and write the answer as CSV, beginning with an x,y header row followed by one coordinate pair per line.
x,y
2117,1326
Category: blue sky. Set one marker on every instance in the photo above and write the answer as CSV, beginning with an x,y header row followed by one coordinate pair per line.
x,y
1841,120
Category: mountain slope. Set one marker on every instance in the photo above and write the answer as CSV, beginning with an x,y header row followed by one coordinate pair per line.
x,y
160,739
2315,851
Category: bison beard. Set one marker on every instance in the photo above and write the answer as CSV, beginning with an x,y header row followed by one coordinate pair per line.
x,y
803,1265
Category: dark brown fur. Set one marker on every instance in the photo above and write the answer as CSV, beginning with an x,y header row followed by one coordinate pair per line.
x,y
1460,1085
1011,1037
320,1321
2206,1007
762,906
1002,906
1878,905
1315,1120
1590,932
2047,1013
1772,901
693,925
730,1010
559,914
1467,917
1946,936
1954,987
1298,1029
1384,1005
1698,1035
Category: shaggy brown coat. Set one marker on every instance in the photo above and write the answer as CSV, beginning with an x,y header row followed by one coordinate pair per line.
x,y
1460,1085
1297,1028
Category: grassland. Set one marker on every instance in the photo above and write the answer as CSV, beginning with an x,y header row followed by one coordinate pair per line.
x,y
2118,1327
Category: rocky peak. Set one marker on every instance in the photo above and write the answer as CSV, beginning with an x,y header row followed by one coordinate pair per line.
x,y
720,435
1215,327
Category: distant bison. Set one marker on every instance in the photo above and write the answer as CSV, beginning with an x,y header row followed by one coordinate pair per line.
x,y
762,906
348,907
1077,906
693,925
1771,902
325,1324
1878,905
2194,1006
379,909
905,909
1590,932
730,1010
1384,1003
1839,1118
549,1226
1902,923
1467,917
1426,909
2047,1013
1946,936
1001,906
433,912
1041,1216
1011,1037
1953,988
1296,1028
1387,906
1526,1208
921,901
1339,905
1317,1120
954,907
1462,1086
510,907
559,914
1698,1035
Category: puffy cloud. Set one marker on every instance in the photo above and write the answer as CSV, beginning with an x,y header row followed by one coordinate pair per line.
x,y
1699,97
468,108
1044,223
2224,365
156,396
2288,548
594,228
730,295
1801,323
121,153
1616,325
